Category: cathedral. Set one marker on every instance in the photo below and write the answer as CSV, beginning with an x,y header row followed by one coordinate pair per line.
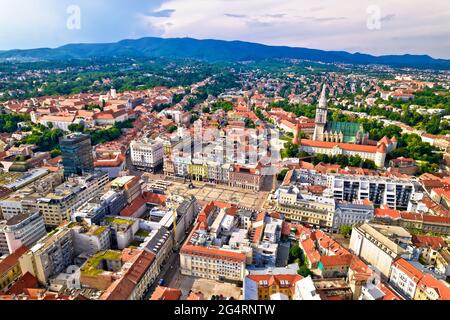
x,y
340,132
342,138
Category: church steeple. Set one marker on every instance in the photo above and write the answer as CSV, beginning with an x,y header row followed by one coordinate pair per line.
x,y
323,98
321,115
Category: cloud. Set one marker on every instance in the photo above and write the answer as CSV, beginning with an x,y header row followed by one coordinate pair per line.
x,y
162,13
233,15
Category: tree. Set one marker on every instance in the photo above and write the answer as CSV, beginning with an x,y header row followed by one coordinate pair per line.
x,y
295,252
250,124
355,161
345,230
434,125
222,105
55,153
76,127
290,150
172,129
282,174
304,271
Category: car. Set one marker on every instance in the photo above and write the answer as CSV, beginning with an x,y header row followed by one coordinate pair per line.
x,y
161,282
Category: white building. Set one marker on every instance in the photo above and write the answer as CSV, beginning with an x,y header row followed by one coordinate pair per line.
x,y
375,248
305,290
147,153
90,239
393,192
352,213
405,277
23,229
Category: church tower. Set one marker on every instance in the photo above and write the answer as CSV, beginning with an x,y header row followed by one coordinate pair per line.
x,y
321,116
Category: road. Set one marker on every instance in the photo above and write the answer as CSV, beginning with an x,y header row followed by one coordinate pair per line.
x,y
168,271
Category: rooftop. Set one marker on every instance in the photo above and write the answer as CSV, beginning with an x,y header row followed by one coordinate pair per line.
x,y
93,266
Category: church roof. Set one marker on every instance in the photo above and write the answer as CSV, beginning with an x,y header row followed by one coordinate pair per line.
x,y
348,129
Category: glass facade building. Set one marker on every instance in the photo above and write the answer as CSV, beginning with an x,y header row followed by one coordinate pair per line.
x,y
77,155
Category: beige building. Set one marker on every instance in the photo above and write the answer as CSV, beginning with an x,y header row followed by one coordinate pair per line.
x,y
211,263
50,256
58,206
25,199
375,248
443,262
305,208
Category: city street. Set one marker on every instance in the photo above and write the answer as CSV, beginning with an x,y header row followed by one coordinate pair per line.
x,y
168,272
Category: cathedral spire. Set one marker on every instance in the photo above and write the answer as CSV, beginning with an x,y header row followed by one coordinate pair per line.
x,y
323,98
321,116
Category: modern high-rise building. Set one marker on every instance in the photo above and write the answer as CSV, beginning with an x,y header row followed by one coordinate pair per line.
x,y
77,155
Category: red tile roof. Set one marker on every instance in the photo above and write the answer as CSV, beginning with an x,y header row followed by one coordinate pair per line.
x,y
122,288
310,251
408,269
27,281
214,253
164,293
389,294
429,281
331,261
289,280
343,146
387,213
12,260
428,241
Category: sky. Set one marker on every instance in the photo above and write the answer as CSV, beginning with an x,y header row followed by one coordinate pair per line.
x,y
377,27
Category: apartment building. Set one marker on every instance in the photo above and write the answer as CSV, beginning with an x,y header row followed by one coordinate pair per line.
x,y
246,177
10,269
25,199
405,277
122,231
393,192
131,186
270,287
120,275
430,288
50,256
350,214
205,254
210,263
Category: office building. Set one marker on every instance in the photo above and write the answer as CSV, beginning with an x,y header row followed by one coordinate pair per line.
x,y
77,154
60,205
23,229
147,154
